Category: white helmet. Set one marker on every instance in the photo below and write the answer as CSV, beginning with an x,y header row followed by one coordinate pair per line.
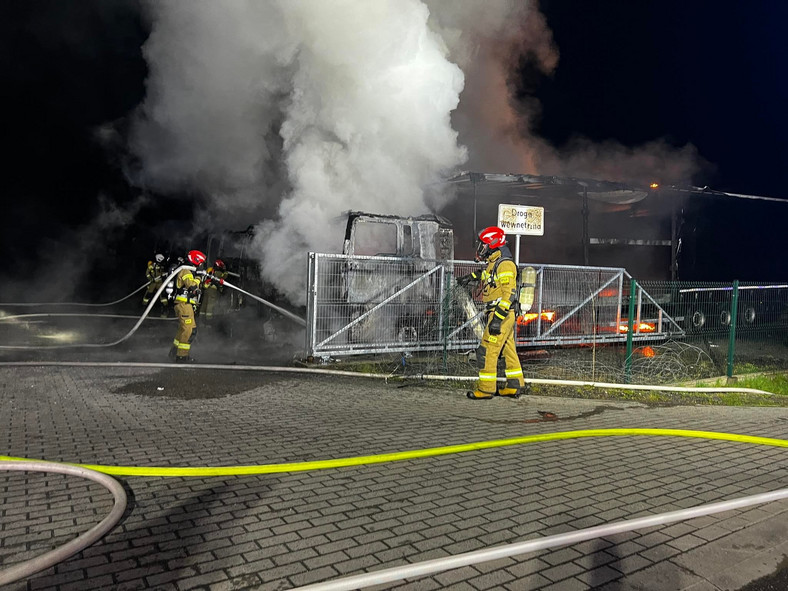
x,y
159,258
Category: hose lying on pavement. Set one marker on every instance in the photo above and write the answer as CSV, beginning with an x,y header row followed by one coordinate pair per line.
x,y
93,472
28,304
407,571
153,301
374,376
51,315
201,472
429,567
53,557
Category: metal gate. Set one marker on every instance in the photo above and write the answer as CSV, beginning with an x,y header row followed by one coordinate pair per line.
x,y
364,304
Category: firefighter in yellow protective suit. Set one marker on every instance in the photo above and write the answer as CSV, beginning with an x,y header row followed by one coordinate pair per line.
x,y
155,275
499,293
212,289
187,297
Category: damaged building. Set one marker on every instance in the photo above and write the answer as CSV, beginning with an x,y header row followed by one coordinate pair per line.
x,y
655,232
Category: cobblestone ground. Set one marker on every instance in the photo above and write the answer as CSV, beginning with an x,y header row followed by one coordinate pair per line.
x,y
285,530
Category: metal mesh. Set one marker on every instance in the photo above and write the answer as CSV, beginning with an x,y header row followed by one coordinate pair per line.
x,y
373,304
577,327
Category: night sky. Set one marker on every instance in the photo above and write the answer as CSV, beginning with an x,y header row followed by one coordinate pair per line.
x,y
707,73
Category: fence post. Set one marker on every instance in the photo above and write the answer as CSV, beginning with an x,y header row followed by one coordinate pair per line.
x,y
732,338
445,294
630,326
311,308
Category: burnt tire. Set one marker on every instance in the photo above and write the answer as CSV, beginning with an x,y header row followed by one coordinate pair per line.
x,y
696,321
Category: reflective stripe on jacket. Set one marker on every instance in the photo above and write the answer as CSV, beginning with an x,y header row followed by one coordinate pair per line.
x,y
187,287
499,282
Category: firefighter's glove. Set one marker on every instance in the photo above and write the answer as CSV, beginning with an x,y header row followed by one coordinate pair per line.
x,y
495,326
466,280
498,316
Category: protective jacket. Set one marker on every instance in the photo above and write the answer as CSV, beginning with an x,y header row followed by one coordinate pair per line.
x,y
187,287
499,293
499,281
155,275
211,290
187,296
209,283
154,272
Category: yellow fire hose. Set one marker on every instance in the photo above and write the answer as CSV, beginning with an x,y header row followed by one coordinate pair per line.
x,y
413,454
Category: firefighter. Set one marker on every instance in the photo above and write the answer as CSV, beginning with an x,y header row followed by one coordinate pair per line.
x,y
499,293
212,289
155,274
187,298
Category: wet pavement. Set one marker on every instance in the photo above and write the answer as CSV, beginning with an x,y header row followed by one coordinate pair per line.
x,y
280,531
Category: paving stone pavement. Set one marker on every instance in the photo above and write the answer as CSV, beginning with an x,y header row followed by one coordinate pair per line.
x,y
281,531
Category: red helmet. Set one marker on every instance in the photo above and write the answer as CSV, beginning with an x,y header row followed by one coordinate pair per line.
x,y
196,257
489,239
219,264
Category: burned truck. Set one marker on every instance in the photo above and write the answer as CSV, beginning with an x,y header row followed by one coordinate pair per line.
x,y
385,288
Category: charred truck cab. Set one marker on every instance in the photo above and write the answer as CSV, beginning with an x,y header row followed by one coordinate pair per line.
x,y
424,242
429,237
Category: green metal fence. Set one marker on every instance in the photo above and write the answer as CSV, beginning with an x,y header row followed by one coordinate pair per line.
x,y
735,328
684,332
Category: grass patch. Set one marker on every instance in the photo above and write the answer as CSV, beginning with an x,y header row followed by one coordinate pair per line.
x,y
662,397
776,383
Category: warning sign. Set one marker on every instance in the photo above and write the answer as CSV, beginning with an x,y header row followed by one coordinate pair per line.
x,y
522,220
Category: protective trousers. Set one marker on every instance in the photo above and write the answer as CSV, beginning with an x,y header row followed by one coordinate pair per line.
x,y
152,287
210,296
487,355
186,327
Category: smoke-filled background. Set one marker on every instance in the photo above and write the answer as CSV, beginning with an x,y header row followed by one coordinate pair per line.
x,y
132,123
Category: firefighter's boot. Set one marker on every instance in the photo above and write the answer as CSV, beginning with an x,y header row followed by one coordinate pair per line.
x,y
509,393
479,395
513,392
172,352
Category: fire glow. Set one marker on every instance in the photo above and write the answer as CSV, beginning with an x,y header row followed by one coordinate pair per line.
x,y
646,351
525,319
642,327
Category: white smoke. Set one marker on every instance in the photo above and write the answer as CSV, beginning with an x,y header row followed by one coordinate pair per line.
x,y
287,113
353,97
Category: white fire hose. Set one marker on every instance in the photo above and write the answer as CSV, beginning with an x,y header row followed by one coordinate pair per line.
x,y
75,303
429,567
53,557
282,311
153,301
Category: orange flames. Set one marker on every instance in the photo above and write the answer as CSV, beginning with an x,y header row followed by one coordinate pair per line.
x,y
642,327
547,315
646,351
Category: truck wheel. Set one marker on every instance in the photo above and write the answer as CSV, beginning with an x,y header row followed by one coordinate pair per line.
x,y
725,318
696,321
749,315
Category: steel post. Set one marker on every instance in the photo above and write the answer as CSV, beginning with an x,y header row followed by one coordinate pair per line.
x,y
732,333
630,324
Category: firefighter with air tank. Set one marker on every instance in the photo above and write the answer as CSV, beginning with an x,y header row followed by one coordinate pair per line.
x,y
212,288
499,285
187,298
155,275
